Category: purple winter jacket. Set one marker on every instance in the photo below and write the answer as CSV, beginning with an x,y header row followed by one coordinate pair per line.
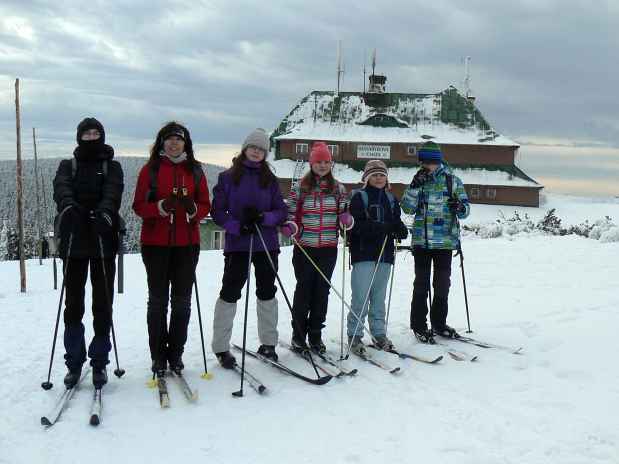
x,y
230,199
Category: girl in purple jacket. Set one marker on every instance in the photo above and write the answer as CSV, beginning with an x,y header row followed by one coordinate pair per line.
x,y
247,196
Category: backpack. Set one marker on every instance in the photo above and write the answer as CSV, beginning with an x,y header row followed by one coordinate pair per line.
x,y
153,172
364,198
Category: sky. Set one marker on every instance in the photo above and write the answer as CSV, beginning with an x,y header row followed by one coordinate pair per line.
x,y
544,72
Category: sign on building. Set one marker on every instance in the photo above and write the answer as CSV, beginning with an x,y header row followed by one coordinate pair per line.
x,y
374,151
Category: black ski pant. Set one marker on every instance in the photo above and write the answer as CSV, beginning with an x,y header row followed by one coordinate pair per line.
x,y
170,273
311,295
235,275
75,287
441,282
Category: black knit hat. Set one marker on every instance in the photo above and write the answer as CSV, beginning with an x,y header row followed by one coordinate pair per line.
x,y
87,124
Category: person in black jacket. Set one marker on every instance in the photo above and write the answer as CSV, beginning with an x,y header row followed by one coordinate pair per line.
x,y
88,191
377,223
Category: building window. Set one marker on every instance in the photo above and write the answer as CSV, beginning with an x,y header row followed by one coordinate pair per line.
x,y
301,148
491,194
218,239
333,149
412,150
475,193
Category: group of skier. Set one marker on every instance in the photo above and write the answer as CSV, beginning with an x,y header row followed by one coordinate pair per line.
x,y
172,197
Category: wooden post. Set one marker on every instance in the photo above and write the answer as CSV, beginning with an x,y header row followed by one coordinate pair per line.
x,y
36,187
20,219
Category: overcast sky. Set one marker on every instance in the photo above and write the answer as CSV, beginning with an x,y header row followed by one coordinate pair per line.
x,y
544,72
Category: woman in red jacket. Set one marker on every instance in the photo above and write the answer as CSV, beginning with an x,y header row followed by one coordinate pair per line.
x,y
171,197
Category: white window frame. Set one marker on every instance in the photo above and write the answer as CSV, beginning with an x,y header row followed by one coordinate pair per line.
x,y
218,238
414,150
333,149
475,193
301,148
491,194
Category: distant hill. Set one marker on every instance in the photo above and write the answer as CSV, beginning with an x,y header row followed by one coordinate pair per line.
x,y
47,171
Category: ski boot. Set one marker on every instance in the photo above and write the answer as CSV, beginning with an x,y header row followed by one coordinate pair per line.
x,y
356,345
316,345
72,377
424,336
99,377
383,343
159,368
446,332
176,365
298,345
268,351
226,360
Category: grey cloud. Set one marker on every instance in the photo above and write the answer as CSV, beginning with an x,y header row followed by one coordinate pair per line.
x,y
540,68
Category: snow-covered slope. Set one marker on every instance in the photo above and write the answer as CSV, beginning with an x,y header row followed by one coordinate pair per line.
x,y
555,296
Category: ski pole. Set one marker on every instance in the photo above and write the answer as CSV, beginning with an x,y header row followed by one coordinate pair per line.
x,y
367,297
239,393
343,294
48,385
118,372
281,285
206,374
395,254
466,300
55,274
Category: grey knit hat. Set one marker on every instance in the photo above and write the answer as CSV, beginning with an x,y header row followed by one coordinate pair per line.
x,y
373,167
257,138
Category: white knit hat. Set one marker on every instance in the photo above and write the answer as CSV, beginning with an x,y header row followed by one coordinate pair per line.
x,y
258,138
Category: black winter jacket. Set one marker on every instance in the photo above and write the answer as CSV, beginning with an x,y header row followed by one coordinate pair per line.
x,y
368,234
88,191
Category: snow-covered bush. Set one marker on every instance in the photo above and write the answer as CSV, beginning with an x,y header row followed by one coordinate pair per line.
x,y
610,235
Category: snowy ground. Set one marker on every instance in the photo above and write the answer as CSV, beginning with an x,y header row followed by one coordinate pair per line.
x,y
557,403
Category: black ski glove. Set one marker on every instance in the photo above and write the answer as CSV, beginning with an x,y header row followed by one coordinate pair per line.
x,y
169,204
102,222
420,178
456,206
400,231
188,203
251,218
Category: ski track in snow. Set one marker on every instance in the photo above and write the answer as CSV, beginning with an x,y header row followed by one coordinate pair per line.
x,y
557,403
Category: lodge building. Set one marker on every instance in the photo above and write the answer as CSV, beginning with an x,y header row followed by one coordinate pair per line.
x,y
358,126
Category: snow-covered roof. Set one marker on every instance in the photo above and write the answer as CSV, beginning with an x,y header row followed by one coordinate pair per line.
x,y
446,117
498,176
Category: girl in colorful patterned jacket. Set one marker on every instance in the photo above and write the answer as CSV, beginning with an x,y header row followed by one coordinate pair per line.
x,y
438,200
247,199
316,207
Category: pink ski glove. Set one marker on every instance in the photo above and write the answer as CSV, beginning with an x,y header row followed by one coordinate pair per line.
x,y
347,222
289,229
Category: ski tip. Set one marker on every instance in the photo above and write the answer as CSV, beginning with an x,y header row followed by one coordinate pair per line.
x,y
45,421
438,359
207,376
353,372
474,358
518,351
94,420
395,370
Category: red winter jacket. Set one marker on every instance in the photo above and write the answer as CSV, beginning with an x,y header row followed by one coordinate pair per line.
x,y
158,229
